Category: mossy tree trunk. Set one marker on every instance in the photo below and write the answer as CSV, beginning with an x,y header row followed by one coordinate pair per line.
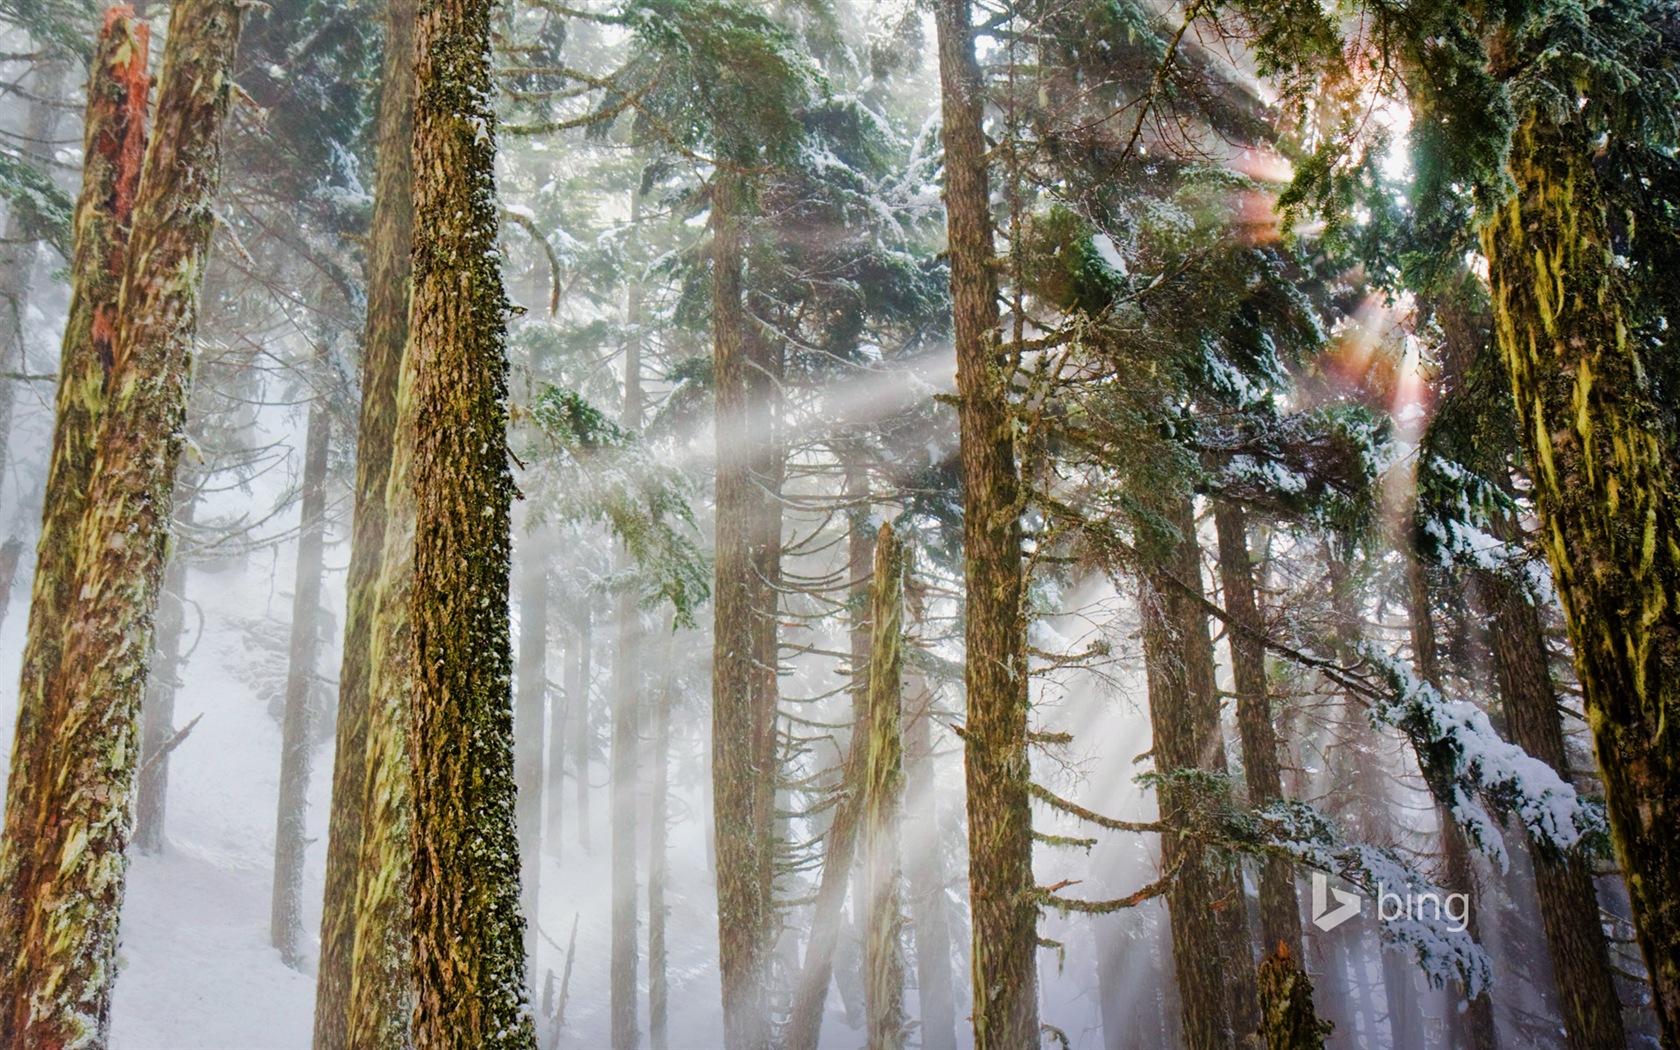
x,y
1569,909
467,931
298,726
1001,886
883,795
1288,1020
66,847
1604,483
114,147
385,330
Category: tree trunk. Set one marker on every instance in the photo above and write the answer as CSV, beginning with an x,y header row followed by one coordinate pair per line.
x,y
1280,908
114,145
385,331
626,738
925,873
743,731
18,248
1475,1023
11,552
528,725
467,932
1212,949
554,772
75,826
883,797
298,729
659,818
583,728
1001,886
163,678
840,840
1364,780
1592,1014
1288,1021
1604,484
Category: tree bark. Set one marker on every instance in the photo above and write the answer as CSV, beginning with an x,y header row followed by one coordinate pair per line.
x,y
1280,908
114,145
743,730
467,931
1592,1013
1002,901
385,331
1212,949
71,834
298,729
626,739
1288,1020
1604,484
883,799
163,679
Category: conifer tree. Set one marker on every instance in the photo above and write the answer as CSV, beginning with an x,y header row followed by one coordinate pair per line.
x,y
286,920
115,137
66,844
1003,907
467,932
384,334
1603,468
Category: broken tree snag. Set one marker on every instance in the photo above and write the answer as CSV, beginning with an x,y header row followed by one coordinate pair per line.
x,y
883,798
1288,1020
467,929
114,145
58,991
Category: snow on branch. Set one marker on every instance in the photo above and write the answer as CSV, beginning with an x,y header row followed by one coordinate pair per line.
x,y
1443,949
1466,763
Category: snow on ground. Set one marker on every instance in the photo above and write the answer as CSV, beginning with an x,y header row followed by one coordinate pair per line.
x,y
197,969
198,972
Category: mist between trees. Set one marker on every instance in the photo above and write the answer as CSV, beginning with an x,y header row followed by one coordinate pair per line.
x,y
903,523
